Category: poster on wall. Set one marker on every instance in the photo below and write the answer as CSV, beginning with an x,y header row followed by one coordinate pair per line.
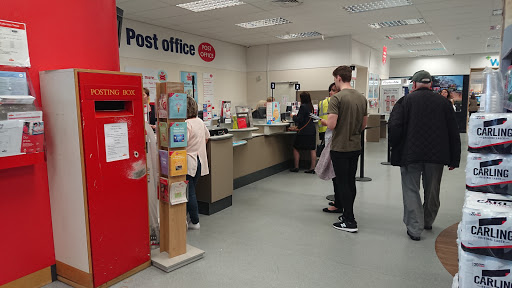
x,y
149,79
189,79
13,44
208,87
454,84
389,97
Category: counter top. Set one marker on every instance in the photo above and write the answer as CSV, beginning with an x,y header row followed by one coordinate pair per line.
x,y
239,143
221,137
276,124
244,129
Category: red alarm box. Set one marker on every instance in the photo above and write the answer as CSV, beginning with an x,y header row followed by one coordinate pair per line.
x,y
96,156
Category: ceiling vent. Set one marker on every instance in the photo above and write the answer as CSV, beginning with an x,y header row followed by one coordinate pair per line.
x,y
413,38
287,3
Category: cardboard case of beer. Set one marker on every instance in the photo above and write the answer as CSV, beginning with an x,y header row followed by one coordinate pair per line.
x,y
483,271
490,133
489,173
487,225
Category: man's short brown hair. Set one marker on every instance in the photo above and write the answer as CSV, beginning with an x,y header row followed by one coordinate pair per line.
x,y
344,72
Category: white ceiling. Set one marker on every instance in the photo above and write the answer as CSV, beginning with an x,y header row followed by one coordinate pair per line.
x,y
462,26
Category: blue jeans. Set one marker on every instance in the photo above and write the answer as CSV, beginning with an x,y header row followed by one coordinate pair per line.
x,y
192,208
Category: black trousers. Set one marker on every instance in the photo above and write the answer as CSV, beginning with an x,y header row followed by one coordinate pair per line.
x,y
345,168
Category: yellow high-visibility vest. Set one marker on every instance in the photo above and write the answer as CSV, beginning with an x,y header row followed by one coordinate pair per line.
x,y
323,106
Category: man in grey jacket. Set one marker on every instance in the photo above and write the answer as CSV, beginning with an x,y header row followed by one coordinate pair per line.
x,y
423,137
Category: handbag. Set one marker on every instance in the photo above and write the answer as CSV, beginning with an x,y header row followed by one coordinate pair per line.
x,y
294,128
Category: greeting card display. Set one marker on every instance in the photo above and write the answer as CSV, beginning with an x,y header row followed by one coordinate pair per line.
x,y
178,163
178,133
164,189
163,134
162,107
33,137
177,106
179,192
164,162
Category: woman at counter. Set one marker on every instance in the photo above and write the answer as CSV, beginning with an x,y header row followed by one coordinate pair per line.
x,y
197,161
306,133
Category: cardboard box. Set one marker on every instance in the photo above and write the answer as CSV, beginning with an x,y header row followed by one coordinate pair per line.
x,y
373,129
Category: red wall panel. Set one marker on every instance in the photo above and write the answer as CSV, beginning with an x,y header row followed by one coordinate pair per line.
x,y
61,34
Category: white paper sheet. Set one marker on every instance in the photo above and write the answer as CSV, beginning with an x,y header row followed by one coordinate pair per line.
x,y
10,137
116,141
27,116
13,44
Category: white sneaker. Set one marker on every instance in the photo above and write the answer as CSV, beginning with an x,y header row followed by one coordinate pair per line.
x,y
192,226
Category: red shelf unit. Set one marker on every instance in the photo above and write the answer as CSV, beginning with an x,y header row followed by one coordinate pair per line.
x,y
21,160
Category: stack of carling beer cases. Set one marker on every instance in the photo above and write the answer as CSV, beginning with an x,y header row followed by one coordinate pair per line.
x,y
485,233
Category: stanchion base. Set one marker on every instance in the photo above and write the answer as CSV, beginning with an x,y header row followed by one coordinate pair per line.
x,y
363,179
162,260
330,197
385,163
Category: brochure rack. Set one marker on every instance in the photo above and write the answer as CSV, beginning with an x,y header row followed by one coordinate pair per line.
x,y
174,251
24,196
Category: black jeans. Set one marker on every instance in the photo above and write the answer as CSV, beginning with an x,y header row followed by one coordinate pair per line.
x,y
345,168
192,207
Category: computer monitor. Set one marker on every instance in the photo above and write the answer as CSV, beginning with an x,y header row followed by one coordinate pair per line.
x,y
260,113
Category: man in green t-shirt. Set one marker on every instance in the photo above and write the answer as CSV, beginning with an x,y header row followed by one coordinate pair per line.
x,y
347,118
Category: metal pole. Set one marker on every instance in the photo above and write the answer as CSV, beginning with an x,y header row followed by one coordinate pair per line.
x,y
361,167
388,162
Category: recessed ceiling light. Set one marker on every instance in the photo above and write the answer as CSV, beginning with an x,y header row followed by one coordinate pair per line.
x,y
419,43
495,27
263,23
427,49
408,35
300,35
395,23
497,12
205,5
376,5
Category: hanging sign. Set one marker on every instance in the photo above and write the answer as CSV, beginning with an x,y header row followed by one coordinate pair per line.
x,y
384,54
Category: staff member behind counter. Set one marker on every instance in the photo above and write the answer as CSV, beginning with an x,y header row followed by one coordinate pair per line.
x,y
306,133
261,109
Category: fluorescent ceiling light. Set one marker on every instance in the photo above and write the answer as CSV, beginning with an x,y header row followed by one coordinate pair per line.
x,y
365,7
263,23
419,43
395,23
494,37
427,49
407,35
205,5
497,12
300,35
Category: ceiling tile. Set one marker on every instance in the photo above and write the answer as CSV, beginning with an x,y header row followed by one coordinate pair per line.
x,y
135,6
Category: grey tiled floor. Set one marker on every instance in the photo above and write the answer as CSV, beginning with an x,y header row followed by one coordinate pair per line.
x,y
275,235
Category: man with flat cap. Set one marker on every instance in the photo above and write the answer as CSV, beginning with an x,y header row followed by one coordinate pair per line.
x,y
424,137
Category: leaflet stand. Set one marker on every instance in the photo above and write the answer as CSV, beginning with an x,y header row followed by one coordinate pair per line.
x,y
174,252
21,111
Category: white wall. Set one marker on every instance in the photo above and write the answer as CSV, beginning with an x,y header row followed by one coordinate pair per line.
x,y
229,66
310,62
444,65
